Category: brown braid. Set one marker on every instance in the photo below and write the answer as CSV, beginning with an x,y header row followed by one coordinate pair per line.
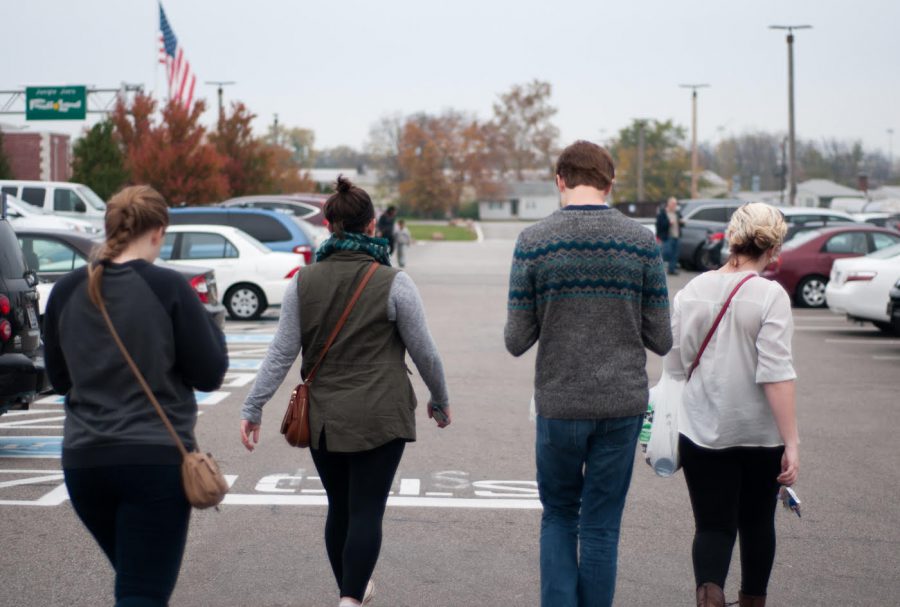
x,y
130,214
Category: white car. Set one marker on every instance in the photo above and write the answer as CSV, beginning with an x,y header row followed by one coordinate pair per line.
x,y
22,215
859,287
250,276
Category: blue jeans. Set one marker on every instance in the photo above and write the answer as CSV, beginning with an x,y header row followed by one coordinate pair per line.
x,y
670,253
583,473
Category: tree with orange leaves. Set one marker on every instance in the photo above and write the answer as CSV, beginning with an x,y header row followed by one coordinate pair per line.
x,y
173,156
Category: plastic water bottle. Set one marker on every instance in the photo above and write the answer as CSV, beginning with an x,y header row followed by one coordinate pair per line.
x,y
644,437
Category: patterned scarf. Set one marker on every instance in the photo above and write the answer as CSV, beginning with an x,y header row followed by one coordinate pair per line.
x,y
378,248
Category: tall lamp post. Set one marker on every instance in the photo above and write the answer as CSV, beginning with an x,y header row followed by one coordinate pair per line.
x,y
220,84
792,147
890,134
695,169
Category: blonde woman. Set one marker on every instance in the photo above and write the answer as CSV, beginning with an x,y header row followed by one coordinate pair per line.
x,y
739,438
121,467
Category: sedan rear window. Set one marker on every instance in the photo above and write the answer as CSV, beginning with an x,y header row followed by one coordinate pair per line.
x,y
261,227
847,243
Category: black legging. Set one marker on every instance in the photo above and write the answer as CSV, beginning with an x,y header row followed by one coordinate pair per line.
x,y
733,491
357,485
139,516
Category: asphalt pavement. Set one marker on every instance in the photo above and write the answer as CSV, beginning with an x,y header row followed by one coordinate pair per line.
x,y
462,525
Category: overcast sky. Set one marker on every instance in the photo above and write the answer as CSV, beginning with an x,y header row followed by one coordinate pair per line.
x,y
336,67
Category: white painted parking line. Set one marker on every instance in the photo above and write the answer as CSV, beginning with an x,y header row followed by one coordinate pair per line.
x,y
26,422
248,352
203,398
238,380
33,480
875,340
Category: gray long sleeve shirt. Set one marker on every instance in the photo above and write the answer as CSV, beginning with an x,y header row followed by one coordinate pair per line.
x,y
404,308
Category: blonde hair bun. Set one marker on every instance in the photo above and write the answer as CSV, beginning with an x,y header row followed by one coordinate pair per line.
x,y
754,229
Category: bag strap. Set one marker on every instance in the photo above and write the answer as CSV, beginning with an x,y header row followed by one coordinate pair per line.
x,y
340,323
716,325
137,373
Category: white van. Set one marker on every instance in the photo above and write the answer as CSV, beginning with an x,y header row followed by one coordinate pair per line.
x,y
59,198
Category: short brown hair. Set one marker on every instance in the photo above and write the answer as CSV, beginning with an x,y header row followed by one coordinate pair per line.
x,y
586,163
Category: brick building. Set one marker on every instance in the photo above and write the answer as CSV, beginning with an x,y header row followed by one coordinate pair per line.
x,y
38,155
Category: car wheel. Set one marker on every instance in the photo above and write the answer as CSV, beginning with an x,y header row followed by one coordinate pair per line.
x,y
886,328
700,261
245,302
811,292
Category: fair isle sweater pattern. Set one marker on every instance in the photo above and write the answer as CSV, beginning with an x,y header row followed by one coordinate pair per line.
x,y
602,266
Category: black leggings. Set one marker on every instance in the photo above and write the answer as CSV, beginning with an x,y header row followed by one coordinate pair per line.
x,y
733,491
357,485
139,516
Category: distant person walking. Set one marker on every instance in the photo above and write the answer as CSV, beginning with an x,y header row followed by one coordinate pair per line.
x,y
589,285
402,240
122,469
362,405
668,230
386,226
738,425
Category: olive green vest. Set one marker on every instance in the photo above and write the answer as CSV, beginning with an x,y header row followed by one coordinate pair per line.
x,y
361,396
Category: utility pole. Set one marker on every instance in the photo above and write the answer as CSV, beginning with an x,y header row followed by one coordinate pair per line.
x,y
640,162
695,166
890,134
220,84
792,144
275,130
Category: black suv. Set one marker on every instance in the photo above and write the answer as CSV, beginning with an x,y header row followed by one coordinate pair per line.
x,y
21,370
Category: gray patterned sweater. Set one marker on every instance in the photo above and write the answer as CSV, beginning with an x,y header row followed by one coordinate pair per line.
x,y
587,284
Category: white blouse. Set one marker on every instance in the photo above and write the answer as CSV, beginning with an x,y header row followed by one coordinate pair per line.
x,y
724,404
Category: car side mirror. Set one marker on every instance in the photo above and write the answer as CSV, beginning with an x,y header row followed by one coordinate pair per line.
x,y
31,278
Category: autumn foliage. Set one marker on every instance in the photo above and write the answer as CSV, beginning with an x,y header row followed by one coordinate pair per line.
x,y
173,155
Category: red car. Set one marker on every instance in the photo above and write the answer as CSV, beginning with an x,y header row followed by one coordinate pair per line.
x,y
805,262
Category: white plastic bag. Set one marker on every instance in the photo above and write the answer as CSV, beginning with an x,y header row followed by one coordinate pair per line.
x,y
663,408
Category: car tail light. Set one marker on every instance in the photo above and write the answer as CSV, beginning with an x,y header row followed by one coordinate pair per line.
x,y
716,237
306,251
5,330
860,275
775,265
202,289
291,274
5,306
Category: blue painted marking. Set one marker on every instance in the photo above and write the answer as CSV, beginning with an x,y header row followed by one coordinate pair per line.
x,y
31,446
245,364
250,338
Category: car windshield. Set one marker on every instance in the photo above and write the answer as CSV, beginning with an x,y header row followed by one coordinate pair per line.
x,y
885,253
91,197
800,239
262,248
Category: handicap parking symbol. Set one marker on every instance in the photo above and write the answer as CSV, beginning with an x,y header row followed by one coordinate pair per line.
x,y
31,446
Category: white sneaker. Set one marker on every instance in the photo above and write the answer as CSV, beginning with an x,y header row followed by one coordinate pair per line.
x,y
369,594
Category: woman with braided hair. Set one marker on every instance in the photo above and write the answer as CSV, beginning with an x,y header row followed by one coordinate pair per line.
x,y
121,467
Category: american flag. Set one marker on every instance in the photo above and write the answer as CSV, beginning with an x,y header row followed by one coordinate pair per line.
x,y
180,78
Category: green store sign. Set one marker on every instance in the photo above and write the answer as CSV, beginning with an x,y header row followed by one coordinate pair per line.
x,y
55,103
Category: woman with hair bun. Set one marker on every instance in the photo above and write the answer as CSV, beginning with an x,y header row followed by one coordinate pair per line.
x,y
122,468
362,405
738,424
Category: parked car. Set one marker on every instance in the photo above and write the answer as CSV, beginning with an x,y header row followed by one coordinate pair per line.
x,y
52,254
22,215
798,219
252,276
860,287
305,206
278,231
804,265
60,198
893,308
702,219
884,220
22,373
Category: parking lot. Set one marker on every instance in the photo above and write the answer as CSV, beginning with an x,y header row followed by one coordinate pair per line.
x,y
463,519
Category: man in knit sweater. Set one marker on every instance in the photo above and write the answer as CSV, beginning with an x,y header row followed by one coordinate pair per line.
x,y
588,284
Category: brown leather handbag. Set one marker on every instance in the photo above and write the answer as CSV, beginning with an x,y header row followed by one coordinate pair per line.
x,y
204,484
295,425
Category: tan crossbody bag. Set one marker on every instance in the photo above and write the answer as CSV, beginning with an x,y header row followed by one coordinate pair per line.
x,y
204,484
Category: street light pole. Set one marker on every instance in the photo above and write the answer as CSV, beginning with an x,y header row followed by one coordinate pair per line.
x,y
220,84
792,146
890,134
695,168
